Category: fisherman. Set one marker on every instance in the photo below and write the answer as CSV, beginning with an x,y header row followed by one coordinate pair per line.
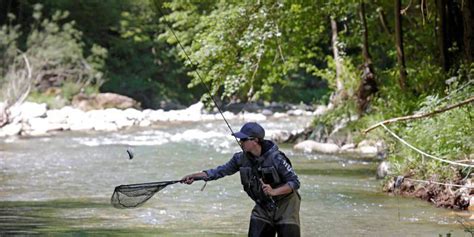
x,y
268,178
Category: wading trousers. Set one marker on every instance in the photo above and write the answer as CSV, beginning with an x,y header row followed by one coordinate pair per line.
x,y
284,221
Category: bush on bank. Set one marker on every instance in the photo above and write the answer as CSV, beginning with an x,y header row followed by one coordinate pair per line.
x,y
447,135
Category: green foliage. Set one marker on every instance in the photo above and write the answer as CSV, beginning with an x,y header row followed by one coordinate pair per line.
x,y
51,100
349,74
56,50
8,51
14,80
8,46
69,89
297,90
98,20
143,68
447,135
96,60
248,48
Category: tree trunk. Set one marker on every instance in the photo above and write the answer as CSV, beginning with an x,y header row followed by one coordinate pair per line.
x,y
399,46
367,85
468,25
442,36
337,58
365,46
383,21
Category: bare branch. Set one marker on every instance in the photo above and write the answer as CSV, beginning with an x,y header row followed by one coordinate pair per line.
x,y
418,116
16,88
25,93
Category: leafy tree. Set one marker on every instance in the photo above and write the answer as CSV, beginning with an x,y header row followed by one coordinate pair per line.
x,y
142,67
54,51
137,65
244,49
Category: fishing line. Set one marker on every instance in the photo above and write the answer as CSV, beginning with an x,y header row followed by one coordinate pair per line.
x,y
197,73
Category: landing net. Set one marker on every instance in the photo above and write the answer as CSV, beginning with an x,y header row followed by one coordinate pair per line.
x,y
134,195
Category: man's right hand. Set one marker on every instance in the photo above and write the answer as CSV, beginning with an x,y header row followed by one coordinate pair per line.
x,y
189,179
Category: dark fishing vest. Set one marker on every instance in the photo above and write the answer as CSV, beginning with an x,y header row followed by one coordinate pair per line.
x,y
251,171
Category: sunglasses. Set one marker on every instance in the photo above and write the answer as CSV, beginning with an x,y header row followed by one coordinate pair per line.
x,y
246,139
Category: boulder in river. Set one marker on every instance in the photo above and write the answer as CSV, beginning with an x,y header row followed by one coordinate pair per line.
x,y
313,146
103,101
383,169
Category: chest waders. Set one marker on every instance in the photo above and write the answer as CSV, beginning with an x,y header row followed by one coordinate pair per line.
x,y
279,214
251,171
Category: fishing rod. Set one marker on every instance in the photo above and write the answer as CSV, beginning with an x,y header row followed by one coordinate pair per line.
x,y
134,195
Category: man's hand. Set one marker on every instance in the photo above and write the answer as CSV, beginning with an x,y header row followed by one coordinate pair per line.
x,y
268,190
189,179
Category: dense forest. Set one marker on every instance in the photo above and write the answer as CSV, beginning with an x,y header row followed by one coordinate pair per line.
x,y
369,60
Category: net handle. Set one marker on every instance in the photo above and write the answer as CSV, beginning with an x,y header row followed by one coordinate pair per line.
x,y
154,184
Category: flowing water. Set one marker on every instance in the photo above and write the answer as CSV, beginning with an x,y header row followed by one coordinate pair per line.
x,y
61,185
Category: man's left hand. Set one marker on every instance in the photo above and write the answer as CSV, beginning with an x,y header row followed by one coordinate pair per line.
x,y
267,189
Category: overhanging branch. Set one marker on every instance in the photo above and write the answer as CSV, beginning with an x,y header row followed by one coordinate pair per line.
x,y
418,116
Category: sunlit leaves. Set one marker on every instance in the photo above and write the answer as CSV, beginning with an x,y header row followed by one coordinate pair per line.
x,y
246,48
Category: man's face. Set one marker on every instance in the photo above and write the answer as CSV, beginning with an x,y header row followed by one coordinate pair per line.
x,y
248,144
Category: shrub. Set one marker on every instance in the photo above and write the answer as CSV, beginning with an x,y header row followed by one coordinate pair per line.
x,y
55,53
447,135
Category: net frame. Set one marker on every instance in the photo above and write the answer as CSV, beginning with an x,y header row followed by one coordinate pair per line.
x,y
135,195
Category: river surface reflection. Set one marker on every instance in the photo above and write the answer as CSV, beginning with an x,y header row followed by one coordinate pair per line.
x,y
62,184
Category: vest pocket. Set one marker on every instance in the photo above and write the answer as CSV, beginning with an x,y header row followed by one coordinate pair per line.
x,y
245,175
270,176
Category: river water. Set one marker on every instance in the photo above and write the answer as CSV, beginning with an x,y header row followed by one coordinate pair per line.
x,y
61,185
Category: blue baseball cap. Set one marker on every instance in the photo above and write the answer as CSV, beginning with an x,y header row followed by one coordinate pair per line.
x,y
250,129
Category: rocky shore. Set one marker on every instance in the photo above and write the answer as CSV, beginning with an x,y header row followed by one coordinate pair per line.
x,y
454,195
35,119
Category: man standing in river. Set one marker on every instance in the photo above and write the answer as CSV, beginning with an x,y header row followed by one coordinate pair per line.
x,y
268,178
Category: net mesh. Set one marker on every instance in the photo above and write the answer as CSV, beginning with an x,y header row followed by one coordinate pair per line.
x,y
134,195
